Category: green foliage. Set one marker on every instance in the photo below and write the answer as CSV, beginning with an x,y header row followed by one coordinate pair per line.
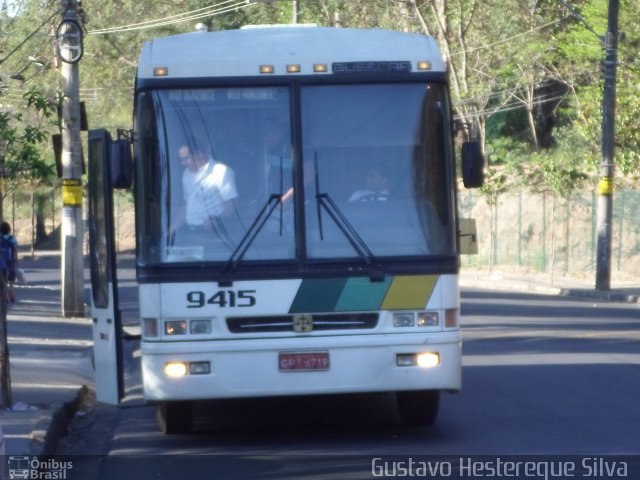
x,y
21,139
495,183
502,57
560,175
579,56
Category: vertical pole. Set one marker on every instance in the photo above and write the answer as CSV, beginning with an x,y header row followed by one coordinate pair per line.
x,y
567,236
594,203
32,211
13,209
605,184
621,223
2,165
5,367
520,228
497,234
72,223
544,231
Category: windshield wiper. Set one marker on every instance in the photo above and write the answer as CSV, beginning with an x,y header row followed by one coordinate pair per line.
x,y
324,200
253,231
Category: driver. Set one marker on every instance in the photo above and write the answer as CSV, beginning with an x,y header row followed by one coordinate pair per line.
x,y
376,186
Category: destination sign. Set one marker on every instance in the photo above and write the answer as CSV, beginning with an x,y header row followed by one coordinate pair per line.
x,y
225,95
371,67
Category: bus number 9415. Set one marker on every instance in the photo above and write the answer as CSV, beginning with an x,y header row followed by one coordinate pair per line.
x,y
222,298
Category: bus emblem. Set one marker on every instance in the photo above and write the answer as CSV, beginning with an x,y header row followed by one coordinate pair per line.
x,y
302,323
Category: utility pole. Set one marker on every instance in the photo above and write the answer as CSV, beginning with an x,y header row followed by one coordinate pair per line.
x,y
69,49
607,164
5,368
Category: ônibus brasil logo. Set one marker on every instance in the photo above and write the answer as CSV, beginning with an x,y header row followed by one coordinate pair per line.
x,y
27,468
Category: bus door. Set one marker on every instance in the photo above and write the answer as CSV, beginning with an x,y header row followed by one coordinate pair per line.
x,y
107,329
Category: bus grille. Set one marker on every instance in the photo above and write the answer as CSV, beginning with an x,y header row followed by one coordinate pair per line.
x,y
285,323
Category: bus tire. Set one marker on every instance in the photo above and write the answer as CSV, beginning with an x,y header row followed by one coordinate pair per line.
x,y
419,408
175,418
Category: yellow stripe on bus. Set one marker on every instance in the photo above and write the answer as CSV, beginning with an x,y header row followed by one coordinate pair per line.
x,y
409,292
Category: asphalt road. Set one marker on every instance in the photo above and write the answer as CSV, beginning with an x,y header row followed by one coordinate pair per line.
x,y
543,375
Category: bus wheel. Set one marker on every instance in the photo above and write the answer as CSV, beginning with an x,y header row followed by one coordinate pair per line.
x,y
175,417
419,408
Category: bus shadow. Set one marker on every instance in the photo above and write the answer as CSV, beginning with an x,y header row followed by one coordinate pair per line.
x,y
299,415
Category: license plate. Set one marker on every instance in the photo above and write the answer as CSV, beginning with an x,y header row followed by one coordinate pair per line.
x,y
303,361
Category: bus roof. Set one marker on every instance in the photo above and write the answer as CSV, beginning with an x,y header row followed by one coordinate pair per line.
x,y
242,52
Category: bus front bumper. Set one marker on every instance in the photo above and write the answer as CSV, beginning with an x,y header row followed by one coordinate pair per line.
x,y
280,367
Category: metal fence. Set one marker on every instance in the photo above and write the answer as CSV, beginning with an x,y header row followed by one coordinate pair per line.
x,y
545,233
35,218
537,232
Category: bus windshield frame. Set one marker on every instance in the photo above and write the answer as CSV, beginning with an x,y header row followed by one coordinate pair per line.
x,y
305,177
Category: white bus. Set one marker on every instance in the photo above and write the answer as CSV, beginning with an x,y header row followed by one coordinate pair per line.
x,y
296,220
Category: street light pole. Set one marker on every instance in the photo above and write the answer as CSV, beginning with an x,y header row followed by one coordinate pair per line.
x,y
69,47
607,164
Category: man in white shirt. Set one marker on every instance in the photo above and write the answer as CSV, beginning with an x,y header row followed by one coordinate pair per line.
x,y
208,187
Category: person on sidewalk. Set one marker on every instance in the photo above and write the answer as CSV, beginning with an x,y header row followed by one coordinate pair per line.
x,y
9,259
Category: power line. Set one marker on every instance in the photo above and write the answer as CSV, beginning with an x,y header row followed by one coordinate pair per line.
x,y
576,14
27,39
511,107
507,39
151,23
199,13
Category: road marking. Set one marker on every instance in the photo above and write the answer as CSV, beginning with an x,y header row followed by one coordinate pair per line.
x,y
536,359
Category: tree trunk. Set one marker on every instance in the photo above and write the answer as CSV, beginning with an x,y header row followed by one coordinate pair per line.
x,y
41,228
5,375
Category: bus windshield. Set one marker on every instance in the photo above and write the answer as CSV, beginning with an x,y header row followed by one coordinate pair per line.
x,y
224,172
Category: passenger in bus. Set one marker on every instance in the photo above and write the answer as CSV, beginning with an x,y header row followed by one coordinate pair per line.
x,y
376,186
208,188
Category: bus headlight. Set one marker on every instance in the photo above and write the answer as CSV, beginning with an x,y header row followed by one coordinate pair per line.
x,y
181,369
403,319
175,369
175,327
200,327
422,360
428,319
428,360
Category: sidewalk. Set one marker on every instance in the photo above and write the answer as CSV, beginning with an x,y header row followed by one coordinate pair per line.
x,y
50,361
542,283
51,356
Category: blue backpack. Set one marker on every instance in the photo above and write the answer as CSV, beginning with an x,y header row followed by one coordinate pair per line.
x,y
8,256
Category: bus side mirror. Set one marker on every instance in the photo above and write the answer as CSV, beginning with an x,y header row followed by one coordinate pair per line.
x,y
121,164
472,165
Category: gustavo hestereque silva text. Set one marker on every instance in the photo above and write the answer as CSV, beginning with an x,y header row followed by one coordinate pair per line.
x,y
501,467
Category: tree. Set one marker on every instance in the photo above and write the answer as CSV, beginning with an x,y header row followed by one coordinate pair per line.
x,y
20,160
579,60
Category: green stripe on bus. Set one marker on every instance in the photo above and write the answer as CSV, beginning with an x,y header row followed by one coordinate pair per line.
x,y
318,295
360,293
409,292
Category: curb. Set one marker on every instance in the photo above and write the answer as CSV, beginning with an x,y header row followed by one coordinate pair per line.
x,y
510,285
49,430
611,296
